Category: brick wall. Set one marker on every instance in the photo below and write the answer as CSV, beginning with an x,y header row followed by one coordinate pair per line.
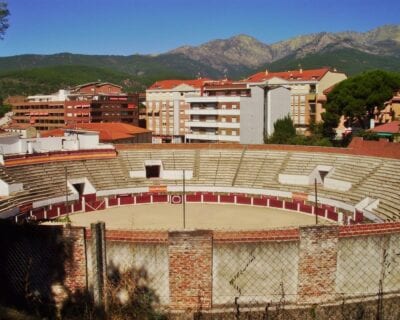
x,y
317,263
190,270
75,266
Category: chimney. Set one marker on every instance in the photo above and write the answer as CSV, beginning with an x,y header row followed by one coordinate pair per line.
x,y
300,69
266,72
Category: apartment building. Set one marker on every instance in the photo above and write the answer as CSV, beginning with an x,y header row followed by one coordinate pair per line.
x,y
235,112
44,112
166,108
87,103
101,102
307,90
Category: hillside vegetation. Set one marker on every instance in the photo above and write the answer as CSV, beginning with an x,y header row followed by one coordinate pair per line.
x,y
236,57
49,79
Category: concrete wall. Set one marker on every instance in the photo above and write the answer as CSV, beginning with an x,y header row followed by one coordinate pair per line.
x,y
255,272
252,117
148,261
6,189
329,80
277,107
10,144
204,270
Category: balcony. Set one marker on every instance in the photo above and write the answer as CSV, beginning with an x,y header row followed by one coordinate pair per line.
x,y
218,112
212,137
212,124
210,99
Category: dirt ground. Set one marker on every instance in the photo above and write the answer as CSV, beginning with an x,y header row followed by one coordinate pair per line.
x,y
198,216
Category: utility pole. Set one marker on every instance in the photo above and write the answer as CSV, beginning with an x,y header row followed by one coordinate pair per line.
x,y
184,200
66,193
316,201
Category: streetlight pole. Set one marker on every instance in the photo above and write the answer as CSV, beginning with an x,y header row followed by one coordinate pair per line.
x,y
184,200
316,201
66,193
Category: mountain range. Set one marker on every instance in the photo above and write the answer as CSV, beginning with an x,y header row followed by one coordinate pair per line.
x,y
236,57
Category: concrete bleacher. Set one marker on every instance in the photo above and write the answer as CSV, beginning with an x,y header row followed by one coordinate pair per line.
x,y
372,177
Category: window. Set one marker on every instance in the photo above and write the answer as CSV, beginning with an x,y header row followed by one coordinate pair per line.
x,y
223,106
234,132
152,172
223,132
234,106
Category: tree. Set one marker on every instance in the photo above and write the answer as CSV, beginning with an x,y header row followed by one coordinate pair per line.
x,y
284,130
357,98
4,13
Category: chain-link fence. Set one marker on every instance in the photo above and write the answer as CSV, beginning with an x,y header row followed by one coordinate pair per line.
x,y
32,265
260,280
319,274
255,273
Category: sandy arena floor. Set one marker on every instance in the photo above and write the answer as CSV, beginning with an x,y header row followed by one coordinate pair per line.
x,y
198,216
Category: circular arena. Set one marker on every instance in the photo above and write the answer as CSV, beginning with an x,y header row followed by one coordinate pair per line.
x,y
219,226
348,186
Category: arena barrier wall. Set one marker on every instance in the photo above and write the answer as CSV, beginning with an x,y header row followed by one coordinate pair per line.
x,y
91,202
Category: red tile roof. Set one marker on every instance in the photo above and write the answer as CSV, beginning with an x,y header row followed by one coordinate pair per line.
x,y
304,75
110,131
170,84
391,127
225,85
19,126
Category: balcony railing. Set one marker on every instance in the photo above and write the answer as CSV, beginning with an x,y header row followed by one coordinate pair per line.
x,y
212,124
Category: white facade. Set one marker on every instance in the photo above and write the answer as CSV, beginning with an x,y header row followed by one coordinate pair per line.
x,y
165,110
73,140
259,112
60,95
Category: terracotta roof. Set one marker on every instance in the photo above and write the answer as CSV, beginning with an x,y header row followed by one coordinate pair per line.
x,y
170,84
19,126
391,127
95,83
225,85
109,131
304,75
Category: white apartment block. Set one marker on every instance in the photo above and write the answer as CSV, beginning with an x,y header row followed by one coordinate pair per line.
x,y
166,106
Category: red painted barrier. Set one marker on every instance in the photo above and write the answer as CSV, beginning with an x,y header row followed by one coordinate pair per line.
x,y
290,205
90,197
63,209
243,200
260,201
95,205
275,203
112,202
333,215
226,198
320,211
77,206
210,198
126,200
143,199
358,216
305,208
39,214
52,213
193,197
160,198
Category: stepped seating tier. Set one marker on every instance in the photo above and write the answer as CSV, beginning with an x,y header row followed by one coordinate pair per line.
x,y
373,177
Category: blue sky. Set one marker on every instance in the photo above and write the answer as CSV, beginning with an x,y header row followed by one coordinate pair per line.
x,y
155,26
